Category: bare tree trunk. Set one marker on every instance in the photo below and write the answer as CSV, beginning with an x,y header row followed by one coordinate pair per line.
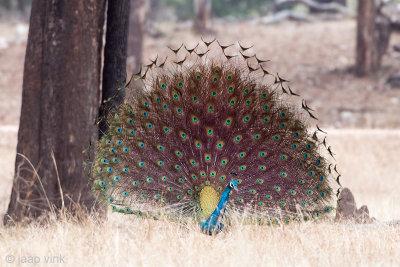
x,y
367,54
150,19
384,28
373,32
151,13
59,106
136,34
202,16
114,71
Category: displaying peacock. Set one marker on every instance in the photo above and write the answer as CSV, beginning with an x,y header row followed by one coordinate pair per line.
x,y
213,133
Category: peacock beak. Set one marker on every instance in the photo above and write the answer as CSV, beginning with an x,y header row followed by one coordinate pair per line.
x,y
236,189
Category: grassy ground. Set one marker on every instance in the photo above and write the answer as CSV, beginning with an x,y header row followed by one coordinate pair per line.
x,y
315,57
368,161
136,242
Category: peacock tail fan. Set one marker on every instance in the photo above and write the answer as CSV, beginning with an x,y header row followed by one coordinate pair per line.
x,y
202,119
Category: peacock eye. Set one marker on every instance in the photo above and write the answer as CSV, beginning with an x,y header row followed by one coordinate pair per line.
x,y
231,185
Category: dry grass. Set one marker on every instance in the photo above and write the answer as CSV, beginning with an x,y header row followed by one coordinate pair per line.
x,y
130,241
368,161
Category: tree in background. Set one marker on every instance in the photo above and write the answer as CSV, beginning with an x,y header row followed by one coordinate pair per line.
x,y
202,16
136,34
373,32
60,101
151,17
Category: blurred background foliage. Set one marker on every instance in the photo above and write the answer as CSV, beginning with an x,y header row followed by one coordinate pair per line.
x,y
183,10
220,8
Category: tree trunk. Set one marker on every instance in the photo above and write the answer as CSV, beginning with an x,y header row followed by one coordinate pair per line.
x,y
152,11
59,106
383,30
373,32
202,16
367,54
136,34
151,18
114,71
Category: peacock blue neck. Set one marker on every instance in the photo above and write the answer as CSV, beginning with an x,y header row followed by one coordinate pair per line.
x,y
213,223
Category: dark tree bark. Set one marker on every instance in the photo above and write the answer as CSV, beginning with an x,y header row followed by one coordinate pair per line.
x,y
366,54
114,72
373,33
59,106
202,16
136,34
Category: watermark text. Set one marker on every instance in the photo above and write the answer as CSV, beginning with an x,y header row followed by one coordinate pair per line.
x,y
35,260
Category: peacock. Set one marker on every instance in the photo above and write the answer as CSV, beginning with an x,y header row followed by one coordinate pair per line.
x,y
214,135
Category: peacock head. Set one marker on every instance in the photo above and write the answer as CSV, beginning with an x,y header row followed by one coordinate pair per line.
x,y
233,185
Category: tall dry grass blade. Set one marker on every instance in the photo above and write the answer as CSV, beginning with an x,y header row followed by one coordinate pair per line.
x,y
58,182
40,181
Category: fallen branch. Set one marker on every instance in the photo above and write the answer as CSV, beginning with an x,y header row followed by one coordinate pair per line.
x,y
327,7
394,80
395,24
284,15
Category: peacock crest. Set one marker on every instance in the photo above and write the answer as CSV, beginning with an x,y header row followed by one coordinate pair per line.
x,y
210,119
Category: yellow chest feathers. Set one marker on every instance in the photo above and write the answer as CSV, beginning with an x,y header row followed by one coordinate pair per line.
x,y
209,199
